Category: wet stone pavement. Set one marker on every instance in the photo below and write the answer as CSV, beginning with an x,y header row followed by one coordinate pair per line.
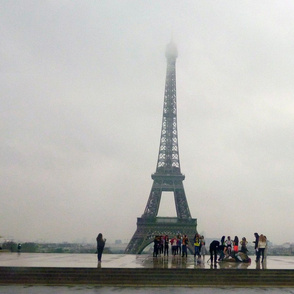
x,y
133,261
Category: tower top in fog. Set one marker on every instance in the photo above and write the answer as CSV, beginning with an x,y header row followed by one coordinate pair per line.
x,y
171,50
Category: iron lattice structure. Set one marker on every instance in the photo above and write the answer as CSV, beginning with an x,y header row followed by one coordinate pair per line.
x,y
168,176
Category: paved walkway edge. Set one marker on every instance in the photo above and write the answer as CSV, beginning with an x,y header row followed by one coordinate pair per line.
x,y
146,277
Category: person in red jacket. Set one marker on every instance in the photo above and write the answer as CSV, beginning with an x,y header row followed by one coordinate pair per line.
x,y
185,242
174,244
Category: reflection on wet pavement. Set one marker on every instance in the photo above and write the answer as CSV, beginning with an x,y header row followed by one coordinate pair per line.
x,y
136,261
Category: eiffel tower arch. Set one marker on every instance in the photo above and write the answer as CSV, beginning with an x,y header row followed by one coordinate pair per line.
x,y
168,176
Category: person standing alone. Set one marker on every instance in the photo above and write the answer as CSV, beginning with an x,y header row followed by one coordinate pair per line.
x,y
100,246
256,246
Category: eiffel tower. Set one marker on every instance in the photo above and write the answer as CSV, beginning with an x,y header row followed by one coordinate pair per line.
x,y
168,176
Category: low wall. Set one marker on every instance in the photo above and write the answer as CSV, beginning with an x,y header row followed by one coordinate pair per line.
x,y
146,277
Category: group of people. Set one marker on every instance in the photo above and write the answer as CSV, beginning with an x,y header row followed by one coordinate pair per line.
x,y
224,248
228,248
179,245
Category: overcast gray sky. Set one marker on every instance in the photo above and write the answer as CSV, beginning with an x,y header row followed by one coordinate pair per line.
x,y
81,91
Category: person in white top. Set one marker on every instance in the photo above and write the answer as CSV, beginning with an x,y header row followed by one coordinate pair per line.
x,y
261,247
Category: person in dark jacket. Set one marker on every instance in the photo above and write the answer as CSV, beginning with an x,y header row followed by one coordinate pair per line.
x,y
100,246
166,243
156,245
256,246
213,249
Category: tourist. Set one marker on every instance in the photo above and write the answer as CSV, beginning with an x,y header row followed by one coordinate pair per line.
x,y
202,249
236,244
228,246
185,242
18,247
156,245
256,245
174,245
261,247
197,246
213,249
166,241
100,246
243,244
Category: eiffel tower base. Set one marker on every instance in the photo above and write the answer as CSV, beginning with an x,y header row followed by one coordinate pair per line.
x,y
148,228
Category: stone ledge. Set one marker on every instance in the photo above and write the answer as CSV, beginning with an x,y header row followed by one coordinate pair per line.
x,y
146,277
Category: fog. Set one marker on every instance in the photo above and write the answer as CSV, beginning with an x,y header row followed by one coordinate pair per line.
x,y
81,96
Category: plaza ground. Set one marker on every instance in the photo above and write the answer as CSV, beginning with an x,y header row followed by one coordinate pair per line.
x,y
8,259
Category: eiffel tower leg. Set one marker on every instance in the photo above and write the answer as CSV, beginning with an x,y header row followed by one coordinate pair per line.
x,y
182,207
143,236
